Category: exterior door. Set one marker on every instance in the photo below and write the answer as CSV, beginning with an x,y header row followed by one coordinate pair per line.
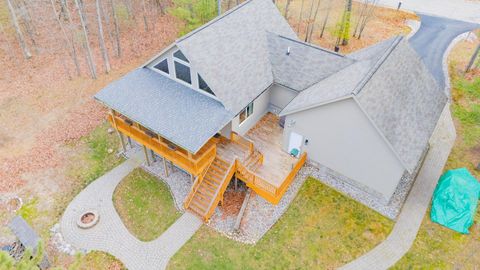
x,y
295,142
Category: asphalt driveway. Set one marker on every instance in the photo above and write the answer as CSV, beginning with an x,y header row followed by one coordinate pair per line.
x,y
433,38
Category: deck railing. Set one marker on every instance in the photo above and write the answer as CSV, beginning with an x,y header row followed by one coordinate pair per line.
x,y
246,143
262,187
193,164
195,186
220,190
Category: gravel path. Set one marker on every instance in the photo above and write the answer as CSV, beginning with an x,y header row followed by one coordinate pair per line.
x,y
111,235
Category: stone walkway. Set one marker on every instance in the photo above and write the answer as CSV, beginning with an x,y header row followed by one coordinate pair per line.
x,y
111,235
387,253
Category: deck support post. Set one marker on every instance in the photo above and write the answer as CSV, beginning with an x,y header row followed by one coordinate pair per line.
x,y
191,178
122,141
120,135
153,155
236,183
129,141
146,155
165,167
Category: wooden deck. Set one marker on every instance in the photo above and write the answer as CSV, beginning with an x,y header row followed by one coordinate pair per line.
x,y
267,137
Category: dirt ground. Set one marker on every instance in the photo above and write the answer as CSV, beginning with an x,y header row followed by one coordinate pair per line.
x,y
42,111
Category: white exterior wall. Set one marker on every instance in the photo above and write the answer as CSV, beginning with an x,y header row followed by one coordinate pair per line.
x,y
280,96
260,107
342,138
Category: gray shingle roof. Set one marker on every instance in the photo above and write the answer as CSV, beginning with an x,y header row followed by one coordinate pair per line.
x,y
393,87
231,52
167,107
404,101
305,65
337,85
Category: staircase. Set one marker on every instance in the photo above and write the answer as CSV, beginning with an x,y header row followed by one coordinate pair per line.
x,y
208,188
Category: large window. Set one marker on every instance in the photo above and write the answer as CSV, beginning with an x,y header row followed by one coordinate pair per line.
x,y
183,72
179,55
246,112
162,66
202,85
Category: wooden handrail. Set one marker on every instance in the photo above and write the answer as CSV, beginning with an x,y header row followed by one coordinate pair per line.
x,y
247,143
180,157
195,186
220,190
255,179
288,180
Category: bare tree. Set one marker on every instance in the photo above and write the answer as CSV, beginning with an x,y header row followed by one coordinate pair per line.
x,y
68,16
366,18
287,5
129,7
86,42
21,39
346,27
101,39
473,58
68,42
117,29
28,23
308,20
11,51
329,8
362,13
314,20
145,22
219,7
300,17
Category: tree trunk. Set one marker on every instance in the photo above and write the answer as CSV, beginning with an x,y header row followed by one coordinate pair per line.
x,y
29,26
219,7
101,39
308,20
367,17
346,27
117,29
106,17
68,16
68,42
11,51
314,21
326,18
472,60
86,43
285,14
145,22
21,39
130,13
300,18
360,16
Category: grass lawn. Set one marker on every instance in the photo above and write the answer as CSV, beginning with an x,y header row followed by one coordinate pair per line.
x,y
145,205
321,229
437,247
99,260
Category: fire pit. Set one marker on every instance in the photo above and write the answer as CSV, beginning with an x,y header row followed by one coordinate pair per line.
x,y
88,219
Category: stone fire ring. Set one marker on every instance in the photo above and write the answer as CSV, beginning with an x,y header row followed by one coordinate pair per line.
x,y
88,219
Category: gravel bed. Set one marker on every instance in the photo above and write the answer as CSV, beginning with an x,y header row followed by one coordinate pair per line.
x,y
389,209
260,215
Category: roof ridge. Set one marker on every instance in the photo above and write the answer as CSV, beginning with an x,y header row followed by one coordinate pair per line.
x,y
214,20
309,45
376,65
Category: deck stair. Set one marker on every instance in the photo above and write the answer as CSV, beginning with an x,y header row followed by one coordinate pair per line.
x,y
208,189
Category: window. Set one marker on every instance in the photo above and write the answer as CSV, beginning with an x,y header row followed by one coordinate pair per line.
x,y
163,66
178,54
182,72
245,113
203,85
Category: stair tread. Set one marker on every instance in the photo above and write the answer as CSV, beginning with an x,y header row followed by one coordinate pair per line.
x,y
200,201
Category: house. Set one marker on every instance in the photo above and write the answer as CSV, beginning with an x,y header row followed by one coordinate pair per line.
x,y
242,96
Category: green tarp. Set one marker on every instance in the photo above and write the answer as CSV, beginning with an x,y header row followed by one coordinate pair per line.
x,y
455,200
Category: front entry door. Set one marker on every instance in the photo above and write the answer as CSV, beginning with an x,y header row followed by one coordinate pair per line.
x,y
295,142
